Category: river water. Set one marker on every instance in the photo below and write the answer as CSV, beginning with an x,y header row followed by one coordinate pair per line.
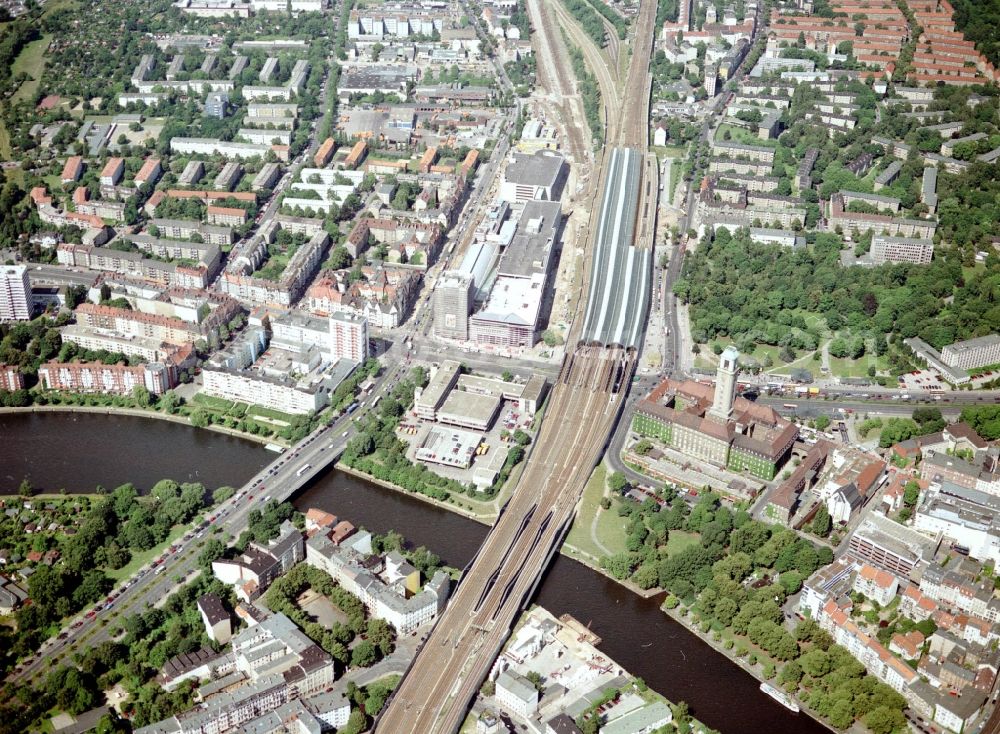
x,y
80,451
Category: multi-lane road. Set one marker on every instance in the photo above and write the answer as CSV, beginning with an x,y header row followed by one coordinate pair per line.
x,y
277,481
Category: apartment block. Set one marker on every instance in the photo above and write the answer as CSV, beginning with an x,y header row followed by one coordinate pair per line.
x,y
108,379
349,337
15,293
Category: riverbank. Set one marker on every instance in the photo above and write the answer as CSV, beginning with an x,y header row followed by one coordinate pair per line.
x,y
140,413
452,507
593,564
756,671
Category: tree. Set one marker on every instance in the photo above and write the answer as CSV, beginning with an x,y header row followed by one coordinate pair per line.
x,y
363,655
211,551
822,523
791,582
884,720
142,396
618,483
507,376
380,634
911,493
25,489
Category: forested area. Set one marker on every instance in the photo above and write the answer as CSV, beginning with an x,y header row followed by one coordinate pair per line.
x,y
979,20
761,293
589,19
590,92
115,527
620,24
733,582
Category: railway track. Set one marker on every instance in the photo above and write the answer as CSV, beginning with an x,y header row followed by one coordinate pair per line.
x,y
457,656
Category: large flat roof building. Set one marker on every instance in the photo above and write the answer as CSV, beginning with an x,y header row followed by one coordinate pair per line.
x,y
540,175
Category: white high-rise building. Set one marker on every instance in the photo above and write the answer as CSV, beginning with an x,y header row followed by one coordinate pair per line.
x,y
725,385
15,293
348,337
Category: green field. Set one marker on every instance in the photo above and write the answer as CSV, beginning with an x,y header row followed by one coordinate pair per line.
x,y
679,540
31,61
609,529
5,151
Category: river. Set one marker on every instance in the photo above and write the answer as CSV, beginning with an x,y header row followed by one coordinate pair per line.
x,y
79,451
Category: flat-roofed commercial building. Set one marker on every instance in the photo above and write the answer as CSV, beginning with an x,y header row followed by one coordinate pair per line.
x,y
972,353
901,250
469,410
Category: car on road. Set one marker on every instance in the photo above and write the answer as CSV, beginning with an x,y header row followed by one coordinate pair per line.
x,y
91,614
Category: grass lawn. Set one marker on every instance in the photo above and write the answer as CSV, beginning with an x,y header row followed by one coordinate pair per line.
x,y
850,367
142,558
668,151
31,61
270,413
678,540
744,136
610,528
5,151
220,406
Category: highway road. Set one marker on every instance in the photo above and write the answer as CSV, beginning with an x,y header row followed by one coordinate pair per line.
x,y
279,480
435,694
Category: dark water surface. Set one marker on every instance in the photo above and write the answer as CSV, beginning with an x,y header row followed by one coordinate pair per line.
x,y
80,451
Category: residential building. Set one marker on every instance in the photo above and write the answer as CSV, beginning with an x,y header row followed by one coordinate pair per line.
x,y
192,173
72,170
875,584
389,587
226,216
150,173
11,378
217,104
227,711
112,172
275,646
324,153
15,293
216,619
109,379
285,395
452,305
877,660
253,572
127,322
349,337
229,176
516,694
